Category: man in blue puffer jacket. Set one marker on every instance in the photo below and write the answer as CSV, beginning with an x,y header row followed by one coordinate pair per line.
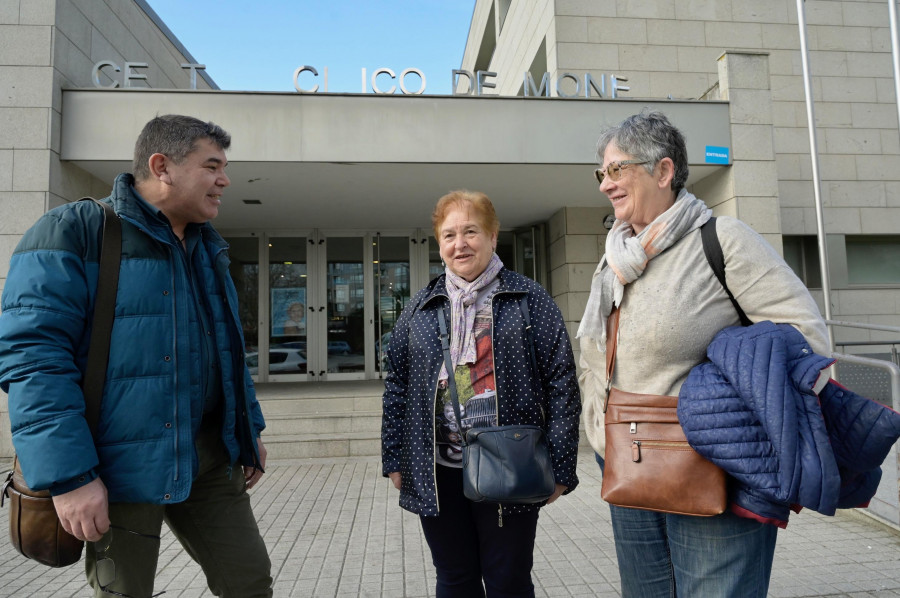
x,y
179,425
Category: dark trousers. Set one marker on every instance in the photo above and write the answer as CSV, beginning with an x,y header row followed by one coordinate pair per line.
x,y
215,525
468,546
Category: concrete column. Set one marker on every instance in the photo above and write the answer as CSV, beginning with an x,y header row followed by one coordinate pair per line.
x,y
749,189
576,238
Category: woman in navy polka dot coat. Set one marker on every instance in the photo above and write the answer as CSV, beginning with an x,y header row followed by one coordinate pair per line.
x,y
475,543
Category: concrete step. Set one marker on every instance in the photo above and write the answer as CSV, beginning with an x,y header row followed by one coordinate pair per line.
x,y
343,444
304,406
324,423
304,446
324,419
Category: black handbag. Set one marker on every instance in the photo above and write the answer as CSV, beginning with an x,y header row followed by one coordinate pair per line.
x,y
503,464
34,527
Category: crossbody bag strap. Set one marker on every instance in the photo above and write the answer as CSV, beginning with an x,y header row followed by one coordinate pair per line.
x,y
612,341
451,375
529,336
104,314
716,258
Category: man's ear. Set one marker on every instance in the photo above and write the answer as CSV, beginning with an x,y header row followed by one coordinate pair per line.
x,y
666,173
159,167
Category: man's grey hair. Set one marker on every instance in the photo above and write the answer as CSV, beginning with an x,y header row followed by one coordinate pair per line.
x,y
175,136
648,136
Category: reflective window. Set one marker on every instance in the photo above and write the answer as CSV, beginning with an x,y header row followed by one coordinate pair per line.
x,y
801,252
244,268
873,259
288,304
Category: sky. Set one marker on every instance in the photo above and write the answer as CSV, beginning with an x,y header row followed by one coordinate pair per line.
x,y
257,46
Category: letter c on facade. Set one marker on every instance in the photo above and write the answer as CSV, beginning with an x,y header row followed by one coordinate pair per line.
x,y
95,74
384,71
297,76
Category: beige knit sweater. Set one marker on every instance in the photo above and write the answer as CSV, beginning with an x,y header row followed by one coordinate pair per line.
x,y
671,313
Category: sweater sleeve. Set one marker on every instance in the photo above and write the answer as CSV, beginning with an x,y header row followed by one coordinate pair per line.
x,y
766,287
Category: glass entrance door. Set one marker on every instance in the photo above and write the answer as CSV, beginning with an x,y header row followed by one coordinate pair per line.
x,y
322,306
345,308
391,274
288,308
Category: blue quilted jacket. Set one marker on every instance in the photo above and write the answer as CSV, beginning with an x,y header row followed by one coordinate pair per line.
x,y
752,411
152,401
415,354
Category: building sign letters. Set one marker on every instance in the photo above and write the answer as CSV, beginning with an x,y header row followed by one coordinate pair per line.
x,y
129,73
384,81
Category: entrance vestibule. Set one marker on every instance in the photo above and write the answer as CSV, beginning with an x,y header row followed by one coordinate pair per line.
x,y
320,305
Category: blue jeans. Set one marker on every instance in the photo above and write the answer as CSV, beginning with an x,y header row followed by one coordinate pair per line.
x,y
666,556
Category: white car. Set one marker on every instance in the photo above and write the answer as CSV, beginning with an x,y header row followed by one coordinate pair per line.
x,y
287,360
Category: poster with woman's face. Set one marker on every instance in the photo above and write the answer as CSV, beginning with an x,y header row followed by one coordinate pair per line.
x,y
289,312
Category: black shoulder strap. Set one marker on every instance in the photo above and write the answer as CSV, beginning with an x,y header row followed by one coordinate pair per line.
x,y
713,250
529,333
104,314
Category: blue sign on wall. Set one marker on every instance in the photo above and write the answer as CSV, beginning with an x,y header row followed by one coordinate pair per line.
x,y
716,155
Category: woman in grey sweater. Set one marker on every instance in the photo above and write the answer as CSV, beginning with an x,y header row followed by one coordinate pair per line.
x,y
671,306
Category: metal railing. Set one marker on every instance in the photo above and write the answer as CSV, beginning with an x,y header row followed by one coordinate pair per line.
x,y
885,505
892,367
895,356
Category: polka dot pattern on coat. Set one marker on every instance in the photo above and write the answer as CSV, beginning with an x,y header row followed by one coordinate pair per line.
x,y
550,398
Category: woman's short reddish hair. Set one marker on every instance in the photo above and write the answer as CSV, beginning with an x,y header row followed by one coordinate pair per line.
x,y
462,198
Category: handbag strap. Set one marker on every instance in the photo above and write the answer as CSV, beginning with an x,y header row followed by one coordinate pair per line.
x,y
451,374
612,341
104,314
529,335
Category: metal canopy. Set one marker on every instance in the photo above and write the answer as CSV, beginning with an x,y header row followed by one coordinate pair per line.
x,y
367,161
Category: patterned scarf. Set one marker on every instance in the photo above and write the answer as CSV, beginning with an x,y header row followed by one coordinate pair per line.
x,y
463,296
627,255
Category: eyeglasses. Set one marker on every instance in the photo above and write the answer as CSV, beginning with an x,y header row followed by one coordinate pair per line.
x,y
614,169
106,568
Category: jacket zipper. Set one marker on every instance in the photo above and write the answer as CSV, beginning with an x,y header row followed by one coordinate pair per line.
x,y
497,383
237,370
437,499
175,366
496,391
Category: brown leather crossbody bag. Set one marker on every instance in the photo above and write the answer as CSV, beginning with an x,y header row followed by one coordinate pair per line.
x,y
649,464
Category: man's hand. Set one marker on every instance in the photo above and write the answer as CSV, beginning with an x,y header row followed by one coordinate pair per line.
x,y
84,512
251,475
396,478
559,490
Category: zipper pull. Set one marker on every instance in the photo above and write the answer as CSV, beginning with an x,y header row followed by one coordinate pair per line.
x,y
636,451
499,515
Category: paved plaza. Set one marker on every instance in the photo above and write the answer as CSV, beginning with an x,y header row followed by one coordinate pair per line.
x,y
334,529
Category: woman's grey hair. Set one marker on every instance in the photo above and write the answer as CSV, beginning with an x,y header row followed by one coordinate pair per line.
x,y
648,136
175,136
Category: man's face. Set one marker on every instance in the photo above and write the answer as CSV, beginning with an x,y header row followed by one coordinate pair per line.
x,y
196,185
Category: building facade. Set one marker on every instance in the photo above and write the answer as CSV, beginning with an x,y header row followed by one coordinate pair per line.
x,y
328,214
747,53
